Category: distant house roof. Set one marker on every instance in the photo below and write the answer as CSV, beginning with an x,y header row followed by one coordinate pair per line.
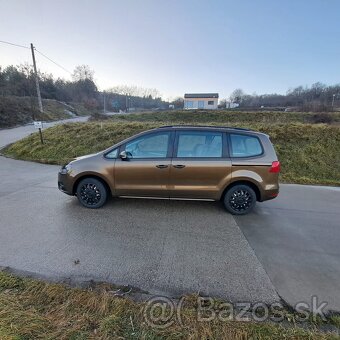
x,y
201,95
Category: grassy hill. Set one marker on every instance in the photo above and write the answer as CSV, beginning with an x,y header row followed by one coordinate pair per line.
x,y
21,110
226,117
309,153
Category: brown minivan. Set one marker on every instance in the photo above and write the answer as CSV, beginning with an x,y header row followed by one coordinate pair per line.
x,y
234,165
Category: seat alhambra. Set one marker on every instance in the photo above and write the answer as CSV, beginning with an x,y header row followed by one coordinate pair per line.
x,y
234,165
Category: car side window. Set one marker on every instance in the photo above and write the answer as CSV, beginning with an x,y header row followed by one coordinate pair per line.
x,y
149,146
199,144
245,145
112,154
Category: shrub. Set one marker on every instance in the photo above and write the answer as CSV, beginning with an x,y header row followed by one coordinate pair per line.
x,y
325,118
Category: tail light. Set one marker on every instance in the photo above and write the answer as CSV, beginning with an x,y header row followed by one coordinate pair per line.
x,y
276,167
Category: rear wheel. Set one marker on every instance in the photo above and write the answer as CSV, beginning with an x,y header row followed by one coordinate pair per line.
x,y
91,193
239,199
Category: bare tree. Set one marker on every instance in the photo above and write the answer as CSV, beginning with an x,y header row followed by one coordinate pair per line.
x,y
82,72
137,91
236,96
178,102
222,104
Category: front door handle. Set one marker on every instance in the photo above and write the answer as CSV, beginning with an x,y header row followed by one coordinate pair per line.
x,y
161,166
179,166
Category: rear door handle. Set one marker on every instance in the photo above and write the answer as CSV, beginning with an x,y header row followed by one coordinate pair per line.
x,y
179,166
161,166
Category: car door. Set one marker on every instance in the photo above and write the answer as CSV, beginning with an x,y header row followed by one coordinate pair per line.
x,y
200,167
145,171
250,161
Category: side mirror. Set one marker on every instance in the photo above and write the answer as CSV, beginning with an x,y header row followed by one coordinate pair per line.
x,y
124,156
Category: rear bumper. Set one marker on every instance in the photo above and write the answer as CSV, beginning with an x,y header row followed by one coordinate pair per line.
x,y
65,184
269,194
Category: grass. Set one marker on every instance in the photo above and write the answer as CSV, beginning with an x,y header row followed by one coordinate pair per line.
x,y
309,153
224,117
32,309
335,320
21,110
64,142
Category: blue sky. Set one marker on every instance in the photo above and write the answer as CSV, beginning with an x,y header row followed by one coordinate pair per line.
x,y
180,46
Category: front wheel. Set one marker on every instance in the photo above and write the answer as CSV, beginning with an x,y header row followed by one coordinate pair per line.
x,y
91,193
239,199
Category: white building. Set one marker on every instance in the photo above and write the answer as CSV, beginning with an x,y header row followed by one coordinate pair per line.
x,y
207,101
231,105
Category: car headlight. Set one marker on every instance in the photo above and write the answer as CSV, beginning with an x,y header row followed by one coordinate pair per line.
x,y
65,169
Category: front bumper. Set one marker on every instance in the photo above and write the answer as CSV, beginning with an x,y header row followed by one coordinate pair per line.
x,y
65,184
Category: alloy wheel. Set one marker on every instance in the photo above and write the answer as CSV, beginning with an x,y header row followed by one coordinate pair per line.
x,y
90,193
241,200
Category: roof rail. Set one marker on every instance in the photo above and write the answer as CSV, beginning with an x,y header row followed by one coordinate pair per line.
x,y
205,126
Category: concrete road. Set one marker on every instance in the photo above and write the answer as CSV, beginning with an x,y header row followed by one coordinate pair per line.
x,y
173,247
297,239
158,246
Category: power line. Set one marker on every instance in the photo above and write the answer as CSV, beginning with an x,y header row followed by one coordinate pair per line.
x,y
9,43
45,56
53,61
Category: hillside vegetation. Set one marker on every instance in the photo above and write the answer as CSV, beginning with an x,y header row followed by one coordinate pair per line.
x,y
32,309
21,110
309,153
226,117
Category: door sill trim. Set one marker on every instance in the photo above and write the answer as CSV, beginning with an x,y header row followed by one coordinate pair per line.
x,y
191,199
170,199
146,197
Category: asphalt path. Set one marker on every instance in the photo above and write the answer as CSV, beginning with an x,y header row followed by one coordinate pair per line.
x,y
297,239
287,248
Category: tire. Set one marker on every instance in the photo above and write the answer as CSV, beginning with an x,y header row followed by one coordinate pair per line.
x,y
91,193
239,199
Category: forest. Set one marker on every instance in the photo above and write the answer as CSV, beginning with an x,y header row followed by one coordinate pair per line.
x,y
20,81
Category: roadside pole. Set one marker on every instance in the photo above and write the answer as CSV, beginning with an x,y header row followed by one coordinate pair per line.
x,y
39,125
36,80
127,102
41,136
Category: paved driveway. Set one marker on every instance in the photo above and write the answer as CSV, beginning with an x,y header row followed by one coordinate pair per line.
x,y
173,247
297,239
158,246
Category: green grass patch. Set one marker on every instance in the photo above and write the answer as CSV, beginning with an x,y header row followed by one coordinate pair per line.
x,y
40,310
309,153
67,141
335,320
225,117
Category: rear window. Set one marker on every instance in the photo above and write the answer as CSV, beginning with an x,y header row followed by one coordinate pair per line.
x,y
245,146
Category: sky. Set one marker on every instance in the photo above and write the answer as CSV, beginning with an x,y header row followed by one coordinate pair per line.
x,y
180,46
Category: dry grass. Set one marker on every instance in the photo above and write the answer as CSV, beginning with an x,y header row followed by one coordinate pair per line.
x,y
21,110
31,309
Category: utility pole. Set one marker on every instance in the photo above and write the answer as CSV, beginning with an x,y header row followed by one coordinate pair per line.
x,y
104,109
333,102
126,103
36,80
